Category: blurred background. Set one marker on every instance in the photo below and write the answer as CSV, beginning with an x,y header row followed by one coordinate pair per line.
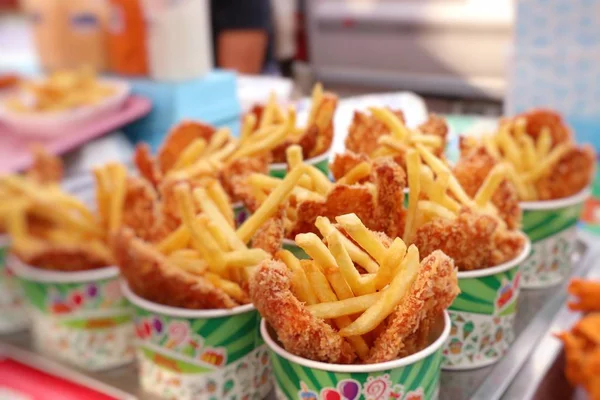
x,y
471,60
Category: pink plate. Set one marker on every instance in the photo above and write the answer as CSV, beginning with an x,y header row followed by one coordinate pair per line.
x,y
14,147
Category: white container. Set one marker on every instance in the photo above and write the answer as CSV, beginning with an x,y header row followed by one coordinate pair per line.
x,y
179,38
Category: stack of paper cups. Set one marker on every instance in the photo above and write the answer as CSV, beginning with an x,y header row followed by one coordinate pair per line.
x,y
178,38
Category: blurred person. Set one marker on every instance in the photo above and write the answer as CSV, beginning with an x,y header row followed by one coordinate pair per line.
x,y
284,17
241,34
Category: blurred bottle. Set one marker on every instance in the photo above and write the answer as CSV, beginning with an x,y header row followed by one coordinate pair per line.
x,y
87,37
178,38
50,30
127,38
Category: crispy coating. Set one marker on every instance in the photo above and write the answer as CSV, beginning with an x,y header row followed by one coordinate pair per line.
x,y
64,257
178,139
587,294
434,289
471,170
468,239
364,132
146,164
343,163
270,235
152,276
380,207
569,176
233,175
507,244
539,118
297,329
46,168
307,141
142,211
435,125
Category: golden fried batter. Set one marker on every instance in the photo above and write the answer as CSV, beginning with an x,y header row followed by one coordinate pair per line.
x,y
46,167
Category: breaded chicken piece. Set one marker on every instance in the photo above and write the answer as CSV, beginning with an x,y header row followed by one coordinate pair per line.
x,y
365,130
434,289
64,257
569,176
507,244
180,136
142,210
146,164
343,163
435,125
152,276
233,175
297,329
390,181
46,168
270,235
539,118
468,239
471,170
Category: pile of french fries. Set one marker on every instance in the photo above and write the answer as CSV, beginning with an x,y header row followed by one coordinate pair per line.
x,y
401,138
526,159
46,223
430,177
272,126
61,90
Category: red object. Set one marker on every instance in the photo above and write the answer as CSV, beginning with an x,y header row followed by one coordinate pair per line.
x,y
34,384
15,151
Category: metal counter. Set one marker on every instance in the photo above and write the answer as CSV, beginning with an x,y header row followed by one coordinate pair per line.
x,y
533,366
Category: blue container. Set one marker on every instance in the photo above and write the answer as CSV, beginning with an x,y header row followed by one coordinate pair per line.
x,y
211,99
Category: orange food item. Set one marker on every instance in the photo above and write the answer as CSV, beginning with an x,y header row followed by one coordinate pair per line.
x,y
127,38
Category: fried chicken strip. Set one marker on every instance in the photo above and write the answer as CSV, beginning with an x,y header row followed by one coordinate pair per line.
x,y
153,277
433,290
298,330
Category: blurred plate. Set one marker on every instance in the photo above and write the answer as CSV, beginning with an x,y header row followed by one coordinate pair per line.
x,y
56,123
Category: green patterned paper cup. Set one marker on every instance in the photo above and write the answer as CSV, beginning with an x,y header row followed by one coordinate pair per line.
x,y
13,317
483,315
551,226
293,248
78,317
414,377
279,170
200,354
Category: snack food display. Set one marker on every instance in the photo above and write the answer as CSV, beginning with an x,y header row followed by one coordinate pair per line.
x,y
383,133
266,125
61,90
551,174
197,332
374,190
480,232
377,317
582,342
65,268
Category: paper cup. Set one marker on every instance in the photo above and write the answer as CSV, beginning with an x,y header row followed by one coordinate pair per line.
x,y
200,354
240,213
483,315
414,377
551,227
13,317
279,170
78,317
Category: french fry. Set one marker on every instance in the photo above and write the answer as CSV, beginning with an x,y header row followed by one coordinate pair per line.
x,y
269,207
212,211
231,288
294,155
314,247
433,210
361,235
178,239
325,294
340,308
544,143
268,114
119,176
321,183
191,153
346,266
391,121
391,263
245,258
360,171
543,166
389,299
221,200
413,162
316,99
247,128
489,186
300,284
356,253
218,140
